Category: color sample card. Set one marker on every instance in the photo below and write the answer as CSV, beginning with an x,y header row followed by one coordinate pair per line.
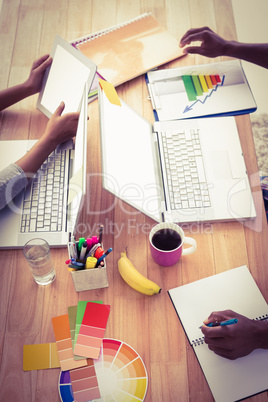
x,y
62,333
72,313
40,356
81,308
121,374
84,383
92,330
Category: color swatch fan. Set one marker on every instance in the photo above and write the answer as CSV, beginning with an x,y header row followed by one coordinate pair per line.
x,y
121,374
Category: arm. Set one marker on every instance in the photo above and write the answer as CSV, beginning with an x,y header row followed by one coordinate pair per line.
x,y
16,176
237,340
31,86
59,129
212,45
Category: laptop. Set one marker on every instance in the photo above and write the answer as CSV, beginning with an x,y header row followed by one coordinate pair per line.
x,y
49,206
203,180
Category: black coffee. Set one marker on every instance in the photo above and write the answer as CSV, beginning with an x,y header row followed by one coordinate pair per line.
x,y
166,239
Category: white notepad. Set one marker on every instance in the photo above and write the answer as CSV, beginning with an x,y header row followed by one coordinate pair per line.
x,y
229,380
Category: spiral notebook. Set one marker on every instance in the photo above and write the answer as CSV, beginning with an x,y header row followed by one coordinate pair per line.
x,y
129,49
229,380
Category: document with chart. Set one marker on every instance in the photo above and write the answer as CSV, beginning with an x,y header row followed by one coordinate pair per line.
x,y
200,91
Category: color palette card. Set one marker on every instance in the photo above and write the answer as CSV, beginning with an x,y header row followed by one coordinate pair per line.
x,y
40,356
62,333
84,383
92,330
81,308
121,375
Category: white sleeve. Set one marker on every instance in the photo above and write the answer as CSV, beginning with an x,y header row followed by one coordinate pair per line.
x,y
12,181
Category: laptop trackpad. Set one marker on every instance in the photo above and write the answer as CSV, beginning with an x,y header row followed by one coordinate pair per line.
x,y
221,165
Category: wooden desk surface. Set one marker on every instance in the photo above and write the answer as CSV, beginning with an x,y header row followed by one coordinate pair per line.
x,y
148,324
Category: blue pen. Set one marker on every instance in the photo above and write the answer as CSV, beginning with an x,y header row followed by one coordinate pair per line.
x,y
103,256
223,323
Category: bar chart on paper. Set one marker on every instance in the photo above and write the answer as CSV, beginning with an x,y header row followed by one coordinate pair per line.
x,y
199,91
198,85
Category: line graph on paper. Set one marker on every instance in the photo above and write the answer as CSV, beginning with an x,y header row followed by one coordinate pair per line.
x,y
199,88
200,91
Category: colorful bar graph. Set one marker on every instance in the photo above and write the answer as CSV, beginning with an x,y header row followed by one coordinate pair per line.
x,y
203,83
213,79
197,85
209,83
189,87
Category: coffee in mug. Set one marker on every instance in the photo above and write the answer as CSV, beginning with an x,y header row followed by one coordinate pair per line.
x,y
166,243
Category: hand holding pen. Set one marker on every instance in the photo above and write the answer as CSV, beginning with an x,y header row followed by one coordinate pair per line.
x,y
233,341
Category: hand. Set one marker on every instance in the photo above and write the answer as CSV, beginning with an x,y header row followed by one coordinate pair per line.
x,y
35,79
212,44
61,128
231,341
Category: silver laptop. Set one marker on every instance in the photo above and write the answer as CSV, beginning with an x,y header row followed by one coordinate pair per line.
x,y
50,205
179,171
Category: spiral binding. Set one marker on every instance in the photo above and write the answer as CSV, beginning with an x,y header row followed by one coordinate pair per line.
x,y
262,317
198,341
98,34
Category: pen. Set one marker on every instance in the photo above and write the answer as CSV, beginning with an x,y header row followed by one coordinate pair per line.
x,y
103,256
223,323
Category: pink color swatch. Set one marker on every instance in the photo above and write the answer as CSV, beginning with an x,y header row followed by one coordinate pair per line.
x,y
84,383
92,330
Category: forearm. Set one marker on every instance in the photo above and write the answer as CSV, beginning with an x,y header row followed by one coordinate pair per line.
x,y
256,53
34,158
14,94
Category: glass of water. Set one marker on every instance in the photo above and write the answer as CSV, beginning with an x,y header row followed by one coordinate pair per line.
x,y
37,253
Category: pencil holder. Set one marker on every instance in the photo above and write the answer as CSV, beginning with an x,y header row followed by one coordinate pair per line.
x,y
89,279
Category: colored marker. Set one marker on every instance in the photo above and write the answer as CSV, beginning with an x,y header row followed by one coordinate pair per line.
x,y
80,243
103,256
100,234
83,251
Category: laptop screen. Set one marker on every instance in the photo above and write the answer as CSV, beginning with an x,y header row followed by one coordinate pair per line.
x,y
126,141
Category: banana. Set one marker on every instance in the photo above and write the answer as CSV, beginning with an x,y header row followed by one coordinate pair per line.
x,y
134,278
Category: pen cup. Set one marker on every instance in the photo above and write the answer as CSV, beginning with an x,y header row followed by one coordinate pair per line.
x,y
37,254
167,243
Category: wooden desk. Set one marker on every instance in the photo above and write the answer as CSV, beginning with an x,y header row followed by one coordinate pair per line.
x,y
149,324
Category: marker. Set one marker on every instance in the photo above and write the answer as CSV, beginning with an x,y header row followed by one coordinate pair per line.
x,y
223,323
95,240
89,244
80,243
101,233
83,251
103,256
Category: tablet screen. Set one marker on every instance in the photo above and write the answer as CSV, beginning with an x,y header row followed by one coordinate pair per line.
x,y
65,79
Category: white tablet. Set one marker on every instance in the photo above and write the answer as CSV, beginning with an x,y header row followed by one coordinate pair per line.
x,y
65,79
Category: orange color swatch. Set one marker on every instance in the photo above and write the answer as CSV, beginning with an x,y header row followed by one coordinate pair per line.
x,y
62,333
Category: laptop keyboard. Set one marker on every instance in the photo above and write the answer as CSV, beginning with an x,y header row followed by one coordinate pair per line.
x,y
185,174
43,198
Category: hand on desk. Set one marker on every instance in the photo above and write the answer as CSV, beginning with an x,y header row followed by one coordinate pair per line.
x,y
233,341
